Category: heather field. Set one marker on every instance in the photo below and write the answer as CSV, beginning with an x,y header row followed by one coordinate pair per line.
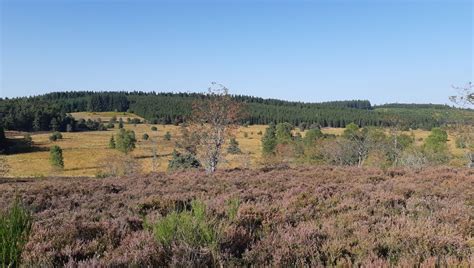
x,y
313,216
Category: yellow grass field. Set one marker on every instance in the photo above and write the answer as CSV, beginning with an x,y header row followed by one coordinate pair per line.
x,y
85,152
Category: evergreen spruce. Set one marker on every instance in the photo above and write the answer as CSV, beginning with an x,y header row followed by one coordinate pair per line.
x,y
56,157
233,147
269,140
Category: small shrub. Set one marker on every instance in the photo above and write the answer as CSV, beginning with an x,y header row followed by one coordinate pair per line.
x,y
112,142
4,167
181,161
167,136
56,157
246,135
145,137
461,142
113,120
15,226
260,133
118,165
101,127
153,128
413,158
110,125
55,136
233,147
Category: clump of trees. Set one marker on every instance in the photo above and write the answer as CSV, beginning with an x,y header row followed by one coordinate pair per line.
x,y
368,146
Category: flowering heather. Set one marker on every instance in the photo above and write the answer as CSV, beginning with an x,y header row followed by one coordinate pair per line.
x,y
308,216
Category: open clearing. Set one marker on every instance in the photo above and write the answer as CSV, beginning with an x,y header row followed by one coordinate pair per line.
x,y
85,152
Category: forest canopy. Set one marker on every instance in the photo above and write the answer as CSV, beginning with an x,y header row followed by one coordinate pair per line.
x,y
39,112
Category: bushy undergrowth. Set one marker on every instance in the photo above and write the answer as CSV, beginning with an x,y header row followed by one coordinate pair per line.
x,y
308,216
15,225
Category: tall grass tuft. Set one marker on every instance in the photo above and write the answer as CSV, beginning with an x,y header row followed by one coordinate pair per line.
x,y
193,227
15,226
233,205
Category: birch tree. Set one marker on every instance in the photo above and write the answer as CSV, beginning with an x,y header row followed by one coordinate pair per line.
x,y
215,119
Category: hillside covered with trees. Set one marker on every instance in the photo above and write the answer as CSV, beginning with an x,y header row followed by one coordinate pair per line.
x,y
50,111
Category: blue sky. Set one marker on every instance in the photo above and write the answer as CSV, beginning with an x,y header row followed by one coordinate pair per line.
x,y
384,51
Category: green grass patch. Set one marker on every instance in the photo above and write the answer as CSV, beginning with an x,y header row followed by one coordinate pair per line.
x,y
15,226
192,227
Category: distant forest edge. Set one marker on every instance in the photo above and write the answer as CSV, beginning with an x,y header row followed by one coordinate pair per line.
x,y
48,111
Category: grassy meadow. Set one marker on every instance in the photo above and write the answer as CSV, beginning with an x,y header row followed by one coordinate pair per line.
x,y
86,152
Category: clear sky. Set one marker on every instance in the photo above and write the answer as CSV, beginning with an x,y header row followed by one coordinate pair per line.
x,y
384,51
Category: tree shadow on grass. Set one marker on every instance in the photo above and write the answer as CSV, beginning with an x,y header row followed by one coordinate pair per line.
x,y
20,146
151,156
82,168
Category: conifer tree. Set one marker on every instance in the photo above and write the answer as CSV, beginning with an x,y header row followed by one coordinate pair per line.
x,y
283,133
125,141
233,146
56,157
269,140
